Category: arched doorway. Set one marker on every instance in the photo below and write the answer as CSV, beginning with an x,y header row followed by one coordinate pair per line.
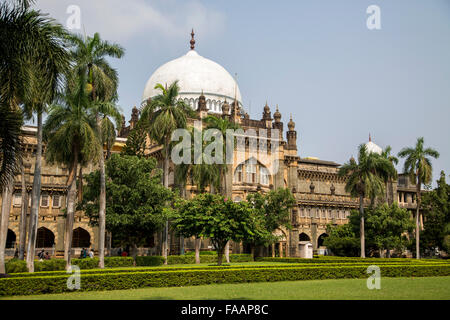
x,y
81,238
45,238
10,239
303,237
321,238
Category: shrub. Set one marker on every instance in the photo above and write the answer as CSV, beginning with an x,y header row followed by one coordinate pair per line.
x,y
14,265
149,261
118,262
202,253
330,259
128,280
50,265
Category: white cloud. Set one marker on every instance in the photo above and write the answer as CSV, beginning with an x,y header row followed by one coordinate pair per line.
x,y
122,20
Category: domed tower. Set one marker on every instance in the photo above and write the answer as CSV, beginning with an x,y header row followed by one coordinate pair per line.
x,y
266,116
277,124
225,110
202,109
134,117
194,74
372,147
291,136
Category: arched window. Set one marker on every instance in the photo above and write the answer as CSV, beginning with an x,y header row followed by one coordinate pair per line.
x,y
303,237
321,239
81,238
263,175
45,238
238,174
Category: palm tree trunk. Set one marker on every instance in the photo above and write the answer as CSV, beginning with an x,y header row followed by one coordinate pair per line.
x,y
102,209
166,184
198,244
35,197
71,197
418,200
80,185
23,217
6,206
361,213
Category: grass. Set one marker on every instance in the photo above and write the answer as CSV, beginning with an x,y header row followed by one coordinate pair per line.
x,y
429,288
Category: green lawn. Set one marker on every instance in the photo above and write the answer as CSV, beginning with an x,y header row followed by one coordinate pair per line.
x,y
391,288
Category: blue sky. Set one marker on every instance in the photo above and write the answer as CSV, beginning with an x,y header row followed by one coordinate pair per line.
x,y
315,59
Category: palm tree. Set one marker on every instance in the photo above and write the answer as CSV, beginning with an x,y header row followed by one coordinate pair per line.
x,y
365,179
222,125
72,140
163,115
30,74
89,55
418,166
202,175
392,174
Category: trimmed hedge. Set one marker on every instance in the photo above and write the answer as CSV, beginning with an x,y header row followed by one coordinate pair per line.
x,y
14,266
149,261
129,280
348,260
202,253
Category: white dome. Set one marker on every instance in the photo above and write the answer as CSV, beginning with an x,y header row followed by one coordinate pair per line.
x,y
372,147
195,74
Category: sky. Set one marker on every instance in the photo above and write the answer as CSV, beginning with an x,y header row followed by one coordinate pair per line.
x,y
316,59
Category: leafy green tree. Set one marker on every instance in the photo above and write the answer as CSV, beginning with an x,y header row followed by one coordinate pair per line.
x,y
342,240
70,133
221,220
90,55
436,210
136,141
418,166
162,115
273,209
136,199
365,178
386,227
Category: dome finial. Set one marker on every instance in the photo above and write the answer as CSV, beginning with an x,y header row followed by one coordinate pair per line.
x,y
192,39
370,138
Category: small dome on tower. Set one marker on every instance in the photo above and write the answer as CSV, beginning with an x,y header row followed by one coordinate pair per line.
x,y
291,124
266,108
277,115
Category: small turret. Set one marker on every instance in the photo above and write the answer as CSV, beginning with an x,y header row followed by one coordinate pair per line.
x,y
291,136
202,109
134,117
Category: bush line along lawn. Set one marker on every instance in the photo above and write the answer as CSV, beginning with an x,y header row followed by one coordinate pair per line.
x,y
200,267
427,288
173,278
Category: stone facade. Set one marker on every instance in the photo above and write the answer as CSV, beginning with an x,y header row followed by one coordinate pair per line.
x,y
319,191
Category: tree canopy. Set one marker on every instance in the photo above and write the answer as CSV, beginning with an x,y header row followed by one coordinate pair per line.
x,y
135,199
